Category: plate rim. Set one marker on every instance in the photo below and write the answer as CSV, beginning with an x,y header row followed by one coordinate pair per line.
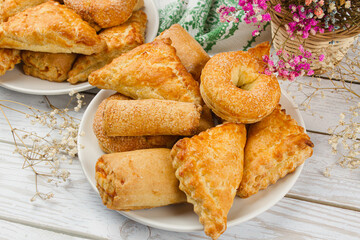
x,y
146,221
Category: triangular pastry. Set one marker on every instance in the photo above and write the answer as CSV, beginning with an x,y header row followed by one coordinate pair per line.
x,y
9,8
50,27
119,39
48,66
209,167
275,147
105,13
8,59
151,70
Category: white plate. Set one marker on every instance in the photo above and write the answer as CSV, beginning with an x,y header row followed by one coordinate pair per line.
x,y
181,218
17,81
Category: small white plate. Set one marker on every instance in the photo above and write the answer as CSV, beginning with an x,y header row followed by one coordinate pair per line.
x,y
181,218
17,81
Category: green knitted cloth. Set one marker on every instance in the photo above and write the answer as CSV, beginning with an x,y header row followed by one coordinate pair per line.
x,y
200,19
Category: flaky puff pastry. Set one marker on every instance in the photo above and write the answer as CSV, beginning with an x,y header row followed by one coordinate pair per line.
x,y
209,167
190,52
138,179
9,8
119,40
151,70
48,66
50,27
105,13
275,147
122,144
8,59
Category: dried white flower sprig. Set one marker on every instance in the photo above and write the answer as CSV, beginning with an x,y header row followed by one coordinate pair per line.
x,y
43,154
347,133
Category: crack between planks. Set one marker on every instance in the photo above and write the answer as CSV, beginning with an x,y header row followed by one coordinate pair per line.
x,y
52,229
326,203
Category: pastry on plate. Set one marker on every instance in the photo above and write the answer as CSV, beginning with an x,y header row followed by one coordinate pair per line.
x,y
9,8
105,13
50,27
190,52
48,66
8,59
209,167
150,117
119,39
235,88
137,179
275,147
122,144
151,70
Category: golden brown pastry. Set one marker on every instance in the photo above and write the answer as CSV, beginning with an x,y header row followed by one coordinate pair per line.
x,y
50,27
119,39
151,70
234,87
137,179
190,52
206,120
9,8
8,59
48,66
105,13
150,117
275,147
209,167
139,5
122,144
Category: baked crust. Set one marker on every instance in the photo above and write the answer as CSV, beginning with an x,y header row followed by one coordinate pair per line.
x,y
151,70
48,66
233,86
137,179
8,59
119,40
50,27
275,147
122,144
105,13
150,117
209,167
9,8
190,52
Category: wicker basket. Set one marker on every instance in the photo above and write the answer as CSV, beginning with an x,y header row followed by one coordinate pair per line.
x,y
318,44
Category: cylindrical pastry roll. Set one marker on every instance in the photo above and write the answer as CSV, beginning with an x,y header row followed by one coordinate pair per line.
x,y
190,52
150,117
138,179
123,144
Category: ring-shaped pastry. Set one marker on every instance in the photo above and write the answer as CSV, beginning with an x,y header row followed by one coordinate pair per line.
x,y
234,87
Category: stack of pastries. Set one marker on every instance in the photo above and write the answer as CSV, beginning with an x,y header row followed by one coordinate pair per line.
x,y
67,40
162,144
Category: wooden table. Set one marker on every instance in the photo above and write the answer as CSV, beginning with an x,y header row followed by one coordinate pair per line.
x,y
317,207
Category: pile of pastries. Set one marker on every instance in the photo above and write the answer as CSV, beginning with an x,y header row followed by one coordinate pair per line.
x,y
67,40
162,135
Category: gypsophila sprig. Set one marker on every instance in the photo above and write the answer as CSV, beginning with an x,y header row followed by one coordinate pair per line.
x,y
45,153
290,66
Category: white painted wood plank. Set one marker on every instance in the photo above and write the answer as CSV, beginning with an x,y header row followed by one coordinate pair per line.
x,y
324,109
19,121
77,209
10,230
341,188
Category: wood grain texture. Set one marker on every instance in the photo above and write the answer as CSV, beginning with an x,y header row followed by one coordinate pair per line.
x,y
324,108
10,230
77,209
